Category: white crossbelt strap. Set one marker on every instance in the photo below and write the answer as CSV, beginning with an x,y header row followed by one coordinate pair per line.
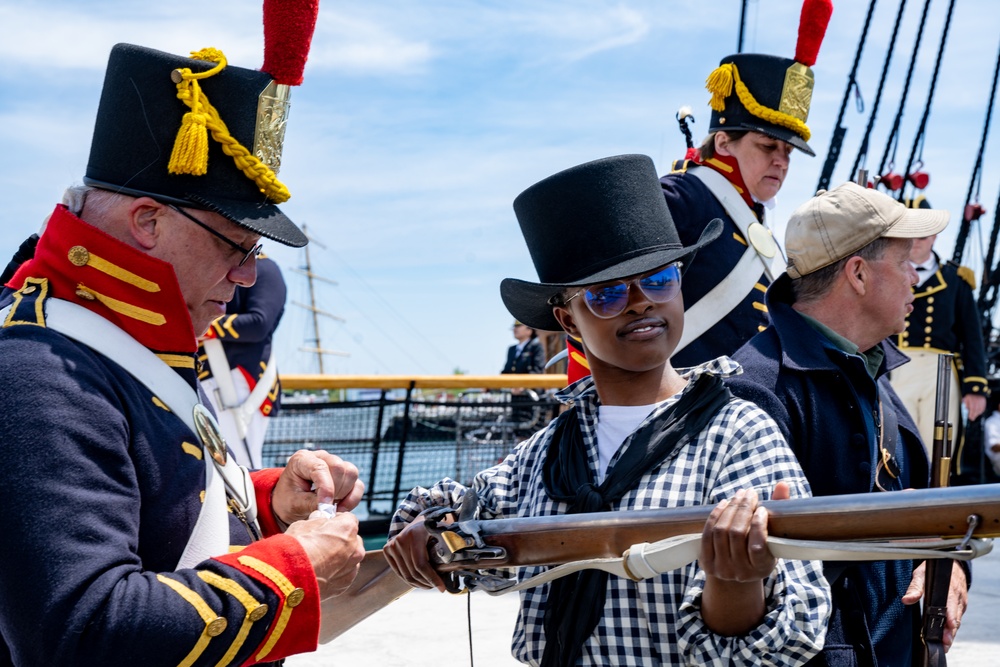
x,y
644,561
210,536
702,315
222,372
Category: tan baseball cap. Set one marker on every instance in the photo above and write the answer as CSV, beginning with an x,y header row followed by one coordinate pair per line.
x,y
837,223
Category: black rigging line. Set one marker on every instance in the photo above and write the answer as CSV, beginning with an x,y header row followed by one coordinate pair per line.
x,y
743,23
863,150
893,140
838,130
974,183
918,140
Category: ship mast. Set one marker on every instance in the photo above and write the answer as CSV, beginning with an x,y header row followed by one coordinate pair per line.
x,y
316,312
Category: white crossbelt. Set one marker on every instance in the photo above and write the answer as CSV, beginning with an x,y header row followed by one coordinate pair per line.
x,y
705,313
644,561
242,411
210,535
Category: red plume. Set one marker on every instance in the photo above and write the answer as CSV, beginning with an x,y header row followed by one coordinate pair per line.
x,y
812,28
288,31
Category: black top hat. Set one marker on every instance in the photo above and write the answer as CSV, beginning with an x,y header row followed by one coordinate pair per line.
x,y
140,117
595,222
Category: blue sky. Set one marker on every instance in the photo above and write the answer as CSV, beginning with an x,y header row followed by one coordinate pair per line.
x,y
419,122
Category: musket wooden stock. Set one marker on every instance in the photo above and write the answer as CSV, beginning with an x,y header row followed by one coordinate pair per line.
x,y
926,513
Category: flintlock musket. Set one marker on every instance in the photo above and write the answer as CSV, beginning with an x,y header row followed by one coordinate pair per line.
x,y
468,544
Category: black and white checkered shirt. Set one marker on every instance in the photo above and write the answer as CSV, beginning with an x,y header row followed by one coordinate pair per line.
x,y
658,621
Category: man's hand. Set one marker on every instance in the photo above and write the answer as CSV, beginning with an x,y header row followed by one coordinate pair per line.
x,y
975,404
313,477
406,554
958,599
334,548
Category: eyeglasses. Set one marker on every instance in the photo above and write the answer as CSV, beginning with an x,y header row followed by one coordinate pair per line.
x,y
609,300
247,254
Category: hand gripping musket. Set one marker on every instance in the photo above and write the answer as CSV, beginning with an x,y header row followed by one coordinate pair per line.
x,y
954,519
937,577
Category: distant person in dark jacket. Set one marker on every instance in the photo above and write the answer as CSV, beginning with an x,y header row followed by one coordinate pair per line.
x,y
527,356
820,370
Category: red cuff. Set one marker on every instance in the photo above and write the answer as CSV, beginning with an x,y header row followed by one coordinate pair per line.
x,y
263,484
289,574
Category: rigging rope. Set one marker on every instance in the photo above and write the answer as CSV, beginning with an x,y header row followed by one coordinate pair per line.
x,y
975,182
893,138
918,140
862,156
838,130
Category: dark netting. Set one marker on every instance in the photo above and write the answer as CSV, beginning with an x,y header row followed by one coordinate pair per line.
x,y
399,443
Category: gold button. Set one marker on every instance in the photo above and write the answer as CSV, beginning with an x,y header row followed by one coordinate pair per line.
x,y
258,613
85,295
216,627
722,120
295,598
78,256
929,320
927,330
930,299
930,309
30,289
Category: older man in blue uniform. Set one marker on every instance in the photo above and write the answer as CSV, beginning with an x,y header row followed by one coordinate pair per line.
x,y
132,538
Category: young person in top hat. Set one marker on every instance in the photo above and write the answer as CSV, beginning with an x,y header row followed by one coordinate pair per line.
x,y
132,537
820,369
945,318
637,435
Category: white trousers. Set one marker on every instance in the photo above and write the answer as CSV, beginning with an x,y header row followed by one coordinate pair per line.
x,y
916,384
248,451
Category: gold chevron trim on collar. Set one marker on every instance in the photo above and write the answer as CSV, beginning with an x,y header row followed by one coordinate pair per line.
x,y
80,256
122,308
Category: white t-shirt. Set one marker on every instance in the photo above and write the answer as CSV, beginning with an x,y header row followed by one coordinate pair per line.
x,y
614,424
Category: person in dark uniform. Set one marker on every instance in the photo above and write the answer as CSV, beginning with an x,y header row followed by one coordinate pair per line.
x,y
760,104
945,318
133,537
238,368
527,356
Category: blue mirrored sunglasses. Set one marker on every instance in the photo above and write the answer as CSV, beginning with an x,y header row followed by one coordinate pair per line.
x,y
247,253
608,300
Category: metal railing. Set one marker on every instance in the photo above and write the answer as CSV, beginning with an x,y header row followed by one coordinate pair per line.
x,y
408,431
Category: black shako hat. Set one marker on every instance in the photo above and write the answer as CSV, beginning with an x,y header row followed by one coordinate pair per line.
x,y
139,120
775,99
599,221
769,94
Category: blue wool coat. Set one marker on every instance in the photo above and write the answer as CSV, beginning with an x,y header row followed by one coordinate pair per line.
x,y
692,206
818,395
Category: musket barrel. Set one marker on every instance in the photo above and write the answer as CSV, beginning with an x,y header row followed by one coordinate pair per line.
x,y
870,516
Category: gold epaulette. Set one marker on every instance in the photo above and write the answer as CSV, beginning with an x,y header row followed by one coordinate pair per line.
x,y
968,275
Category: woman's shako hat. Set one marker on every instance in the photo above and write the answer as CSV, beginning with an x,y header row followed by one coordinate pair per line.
x,y
770,94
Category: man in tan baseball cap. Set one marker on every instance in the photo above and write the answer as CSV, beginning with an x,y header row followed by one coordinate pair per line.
x,y
820,370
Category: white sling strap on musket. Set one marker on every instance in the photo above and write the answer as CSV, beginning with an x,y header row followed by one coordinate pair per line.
x,y
644,561
702,315
210,535
242,412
